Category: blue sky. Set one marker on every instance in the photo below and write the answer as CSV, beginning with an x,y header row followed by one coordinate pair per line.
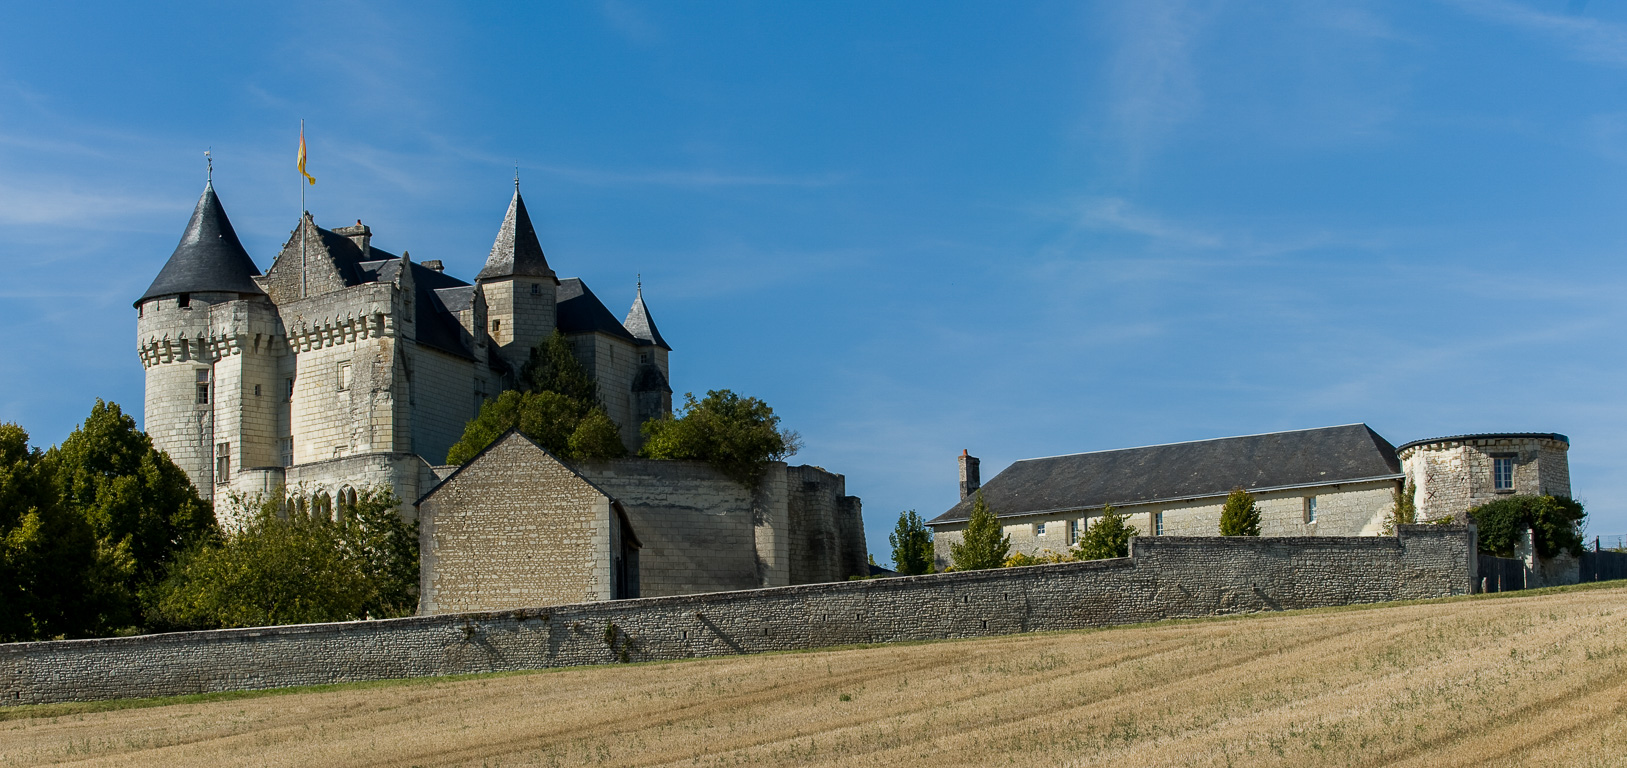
x,y
913,228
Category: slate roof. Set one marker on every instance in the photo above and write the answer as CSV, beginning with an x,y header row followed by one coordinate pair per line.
x,y
516,252
650,379
1489,436
209,257
1197,469
580,311
641,325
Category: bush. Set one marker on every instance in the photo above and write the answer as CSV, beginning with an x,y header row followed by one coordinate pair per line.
x,y
289,567
1042,557
732,433
567,428
1108,537
984,544
47,553
553,367
912,545
1555,524
1240,516
1403,509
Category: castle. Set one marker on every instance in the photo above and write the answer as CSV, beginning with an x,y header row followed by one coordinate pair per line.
x,y
345,365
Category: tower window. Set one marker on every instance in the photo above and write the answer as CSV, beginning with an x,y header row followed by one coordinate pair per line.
x,y
1310,509
184,301
344,376
536,289
223,463
290,389
1502,473
257,390
496,325
203,386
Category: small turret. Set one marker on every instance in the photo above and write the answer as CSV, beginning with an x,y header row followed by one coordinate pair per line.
x,y
521,290
651,391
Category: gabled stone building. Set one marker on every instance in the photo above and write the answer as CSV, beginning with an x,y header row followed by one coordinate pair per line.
x,y
1330,481
346,365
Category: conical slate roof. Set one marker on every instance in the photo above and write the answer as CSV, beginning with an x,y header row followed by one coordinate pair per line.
x,y
641,325
209,258
516,253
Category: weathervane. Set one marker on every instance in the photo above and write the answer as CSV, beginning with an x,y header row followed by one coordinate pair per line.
x,y
209,162
516,175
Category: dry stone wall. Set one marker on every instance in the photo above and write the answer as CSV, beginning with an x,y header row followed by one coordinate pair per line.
x,y
1163,578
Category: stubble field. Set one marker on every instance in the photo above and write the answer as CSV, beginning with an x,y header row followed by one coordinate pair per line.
x,y
1537,679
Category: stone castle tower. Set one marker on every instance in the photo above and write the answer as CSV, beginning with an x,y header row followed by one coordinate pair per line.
x,y
344,365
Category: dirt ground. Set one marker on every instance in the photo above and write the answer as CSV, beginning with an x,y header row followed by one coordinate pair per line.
x,y
1529,680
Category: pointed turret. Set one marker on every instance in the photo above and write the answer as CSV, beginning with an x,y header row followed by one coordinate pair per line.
x,y
641,325
516,253
209,258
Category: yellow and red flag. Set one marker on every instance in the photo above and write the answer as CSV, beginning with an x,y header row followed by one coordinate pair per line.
x,y
308,177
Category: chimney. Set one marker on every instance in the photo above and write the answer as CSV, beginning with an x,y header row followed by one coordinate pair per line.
x,y
435,264
361,235
969,482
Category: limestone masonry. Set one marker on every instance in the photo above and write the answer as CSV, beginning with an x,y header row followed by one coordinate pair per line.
x,y
1171,577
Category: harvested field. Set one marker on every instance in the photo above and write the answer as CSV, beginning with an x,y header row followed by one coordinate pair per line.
x,y
1521,679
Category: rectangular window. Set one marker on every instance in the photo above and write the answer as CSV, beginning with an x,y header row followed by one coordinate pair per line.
x,y
184,301
536,289
223,463
496,325
344,376
257,390
203,394
286,445
1073,532
290,395
1310,509
1502,473
1157,523
1039,529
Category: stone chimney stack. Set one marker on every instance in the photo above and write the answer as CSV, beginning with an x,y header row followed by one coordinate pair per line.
x,y
361,235
969,481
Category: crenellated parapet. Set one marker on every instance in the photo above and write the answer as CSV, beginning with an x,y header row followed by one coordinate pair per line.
x,y
350,328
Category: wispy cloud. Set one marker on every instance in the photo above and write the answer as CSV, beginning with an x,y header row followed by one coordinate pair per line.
x,y
1153,84
693,179
1594,40
629,22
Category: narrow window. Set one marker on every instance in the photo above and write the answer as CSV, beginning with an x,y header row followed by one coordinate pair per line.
x,y
496,325
1073,532
257,390
203,394
185,301
223,463
1310,509
290,395
1157,523
536,289
286,445
344,376
1502,473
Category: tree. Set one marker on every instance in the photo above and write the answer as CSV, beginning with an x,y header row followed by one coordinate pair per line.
x,y
141,508
912,545
568,428
553,367
1555,523
1403,510
1240,516
984,544
296,568
732,433
1108,537
47,553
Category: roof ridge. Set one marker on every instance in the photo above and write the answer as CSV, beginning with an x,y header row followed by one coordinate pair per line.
x,y
1189,442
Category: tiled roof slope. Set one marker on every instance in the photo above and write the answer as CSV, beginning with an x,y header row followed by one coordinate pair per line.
x,y
516,252
580,311
209,257
641,325
1185,470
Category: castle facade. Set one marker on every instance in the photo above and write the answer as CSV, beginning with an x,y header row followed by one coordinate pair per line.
x,y
344,365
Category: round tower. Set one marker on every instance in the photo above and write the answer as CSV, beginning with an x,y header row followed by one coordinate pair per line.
x,y
186,323
1454,474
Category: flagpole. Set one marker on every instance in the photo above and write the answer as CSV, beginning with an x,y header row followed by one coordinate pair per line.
x,y
302,212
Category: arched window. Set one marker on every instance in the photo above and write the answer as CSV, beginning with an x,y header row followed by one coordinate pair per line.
x,y
322,506
347,504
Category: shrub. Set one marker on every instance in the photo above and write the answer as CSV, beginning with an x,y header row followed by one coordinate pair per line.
x,y
984,544
565,427
1108,537
1042,557
47,553
296,568
1403,509
1240,516
1555,524
732,433
912,545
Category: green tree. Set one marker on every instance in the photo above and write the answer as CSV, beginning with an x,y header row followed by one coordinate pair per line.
x,y
1555,522
296,568
912,545
141,508
984,544
1240,516
47,553
1108,537
1403,509
568,428
733,433
553,367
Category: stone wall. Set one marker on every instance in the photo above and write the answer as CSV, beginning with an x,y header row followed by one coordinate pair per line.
x,y
1163,578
